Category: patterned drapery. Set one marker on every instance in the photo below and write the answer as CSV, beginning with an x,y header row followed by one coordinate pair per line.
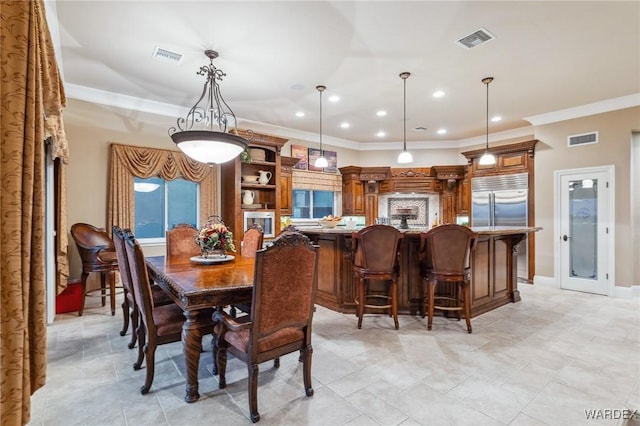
x,y
31,111
128,162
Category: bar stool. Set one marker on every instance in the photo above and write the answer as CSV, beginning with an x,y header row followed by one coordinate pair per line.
x,y
375,257
445,253
98,254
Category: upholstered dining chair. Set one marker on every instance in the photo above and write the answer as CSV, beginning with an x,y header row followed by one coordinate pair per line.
x,y
180,241
251,242
445,253
375,258
281,314
160,324
98,255
129,307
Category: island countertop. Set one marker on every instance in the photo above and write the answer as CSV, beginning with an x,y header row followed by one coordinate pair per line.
x,y
480,230
493,268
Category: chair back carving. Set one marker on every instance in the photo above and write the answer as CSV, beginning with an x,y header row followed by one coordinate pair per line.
x,y
446,249
252,240
180,241
96,249
375,248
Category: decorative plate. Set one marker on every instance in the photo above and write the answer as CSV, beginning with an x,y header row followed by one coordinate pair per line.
x,y
212,259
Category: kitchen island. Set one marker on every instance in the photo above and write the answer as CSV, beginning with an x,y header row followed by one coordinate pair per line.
x,y
493,266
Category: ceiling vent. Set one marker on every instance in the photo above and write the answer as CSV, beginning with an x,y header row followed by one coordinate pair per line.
x,y
475,39
167,56
582,139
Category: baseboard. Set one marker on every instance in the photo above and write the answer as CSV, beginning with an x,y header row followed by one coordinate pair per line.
x,y
545,281
618,291
627,292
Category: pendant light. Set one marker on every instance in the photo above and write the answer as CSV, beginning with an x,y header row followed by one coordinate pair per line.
x,y
487,158
321,162
405,156
205,133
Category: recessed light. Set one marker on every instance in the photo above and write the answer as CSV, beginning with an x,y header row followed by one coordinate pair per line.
x,y
420,129
299,114
381,134
381,113
438,94
345,125
496,118
334,98
442,131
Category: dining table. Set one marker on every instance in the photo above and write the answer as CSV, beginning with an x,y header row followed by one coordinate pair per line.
x,y
196,285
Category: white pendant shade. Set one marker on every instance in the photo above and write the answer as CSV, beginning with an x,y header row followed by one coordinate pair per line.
x,y
321,162
487,159
405,157
209,147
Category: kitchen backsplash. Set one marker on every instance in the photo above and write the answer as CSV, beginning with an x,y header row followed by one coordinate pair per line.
x,y
425,208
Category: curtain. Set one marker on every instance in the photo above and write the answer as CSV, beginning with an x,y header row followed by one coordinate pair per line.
x,y
31,111
302,179
128,162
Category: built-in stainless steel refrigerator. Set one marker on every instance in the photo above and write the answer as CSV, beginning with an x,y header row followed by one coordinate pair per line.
x,y
502,201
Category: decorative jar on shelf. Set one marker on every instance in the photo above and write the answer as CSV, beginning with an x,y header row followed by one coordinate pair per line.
x,y
265,177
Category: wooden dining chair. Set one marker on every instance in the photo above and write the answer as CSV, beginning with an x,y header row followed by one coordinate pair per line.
x,y
376,250
98,255
160,324
445,253
252,241
281,314
180,241
129,306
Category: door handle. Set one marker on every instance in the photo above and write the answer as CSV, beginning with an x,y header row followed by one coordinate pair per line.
x,y
565,237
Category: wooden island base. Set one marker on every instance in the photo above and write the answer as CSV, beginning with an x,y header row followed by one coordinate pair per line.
x,y
493,281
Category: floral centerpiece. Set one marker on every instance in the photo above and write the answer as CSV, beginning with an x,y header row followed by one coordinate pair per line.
x,y
215,237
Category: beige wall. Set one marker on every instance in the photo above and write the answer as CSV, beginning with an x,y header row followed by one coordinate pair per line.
x,y
92,128
614,148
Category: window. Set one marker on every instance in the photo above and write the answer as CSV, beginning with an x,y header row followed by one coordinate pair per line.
x,y
161,204
310,204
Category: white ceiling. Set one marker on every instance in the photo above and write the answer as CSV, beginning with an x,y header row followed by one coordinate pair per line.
x,y
546,57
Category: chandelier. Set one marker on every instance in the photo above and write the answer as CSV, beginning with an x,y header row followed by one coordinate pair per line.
x,y
209,132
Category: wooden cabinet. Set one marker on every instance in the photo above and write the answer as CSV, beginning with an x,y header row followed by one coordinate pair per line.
x,y
353,203
512,158
352,198
464,196
267,196
286,181
408,185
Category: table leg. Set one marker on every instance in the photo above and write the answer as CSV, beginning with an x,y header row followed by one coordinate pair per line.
x,y
192,346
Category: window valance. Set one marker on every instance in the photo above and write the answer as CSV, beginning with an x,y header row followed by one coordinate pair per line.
x,y
128,162
304,179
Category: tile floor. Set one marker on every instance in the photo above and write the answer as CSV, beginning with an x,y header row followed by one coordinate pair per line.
x,y
543,361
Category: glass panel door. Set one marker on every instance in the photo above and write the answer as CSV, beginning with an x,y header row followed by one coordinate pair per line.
x,y
584,231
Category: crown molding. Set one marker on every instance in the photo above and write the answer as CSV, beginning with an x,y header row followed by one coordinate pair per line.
x,y
103,97
608,105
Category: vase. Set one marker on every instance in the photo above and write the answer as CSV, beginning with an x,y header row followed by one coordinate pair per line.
x,y
213,252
